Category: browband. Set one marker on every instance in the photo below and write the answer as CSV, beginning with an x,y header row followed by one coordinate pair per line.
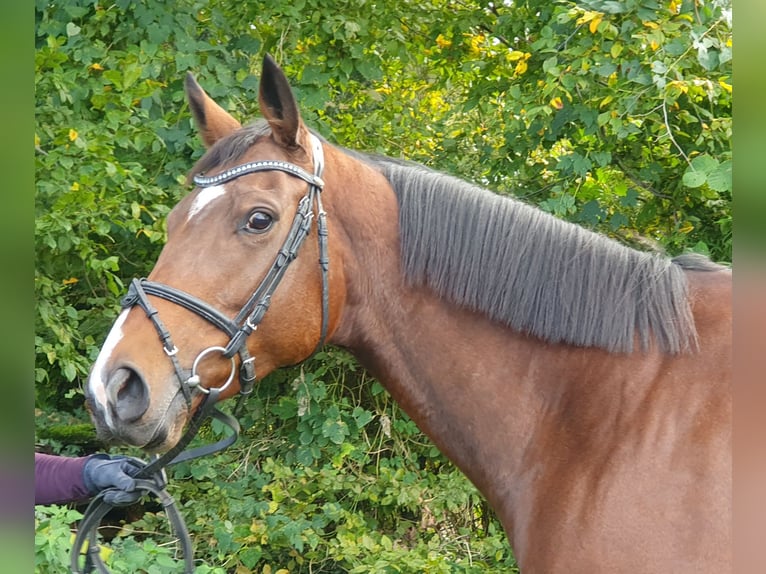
x,y
256,166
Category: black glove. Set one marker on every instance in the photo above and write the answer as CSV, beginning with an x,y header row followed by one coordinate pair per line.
x,y
115,473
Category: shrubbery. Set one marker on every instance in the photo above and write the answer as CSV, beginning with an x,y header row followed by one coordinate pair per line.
x,y
328,477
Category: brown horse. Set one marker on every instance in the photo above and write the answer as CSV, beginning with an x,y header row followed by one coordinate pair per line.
x,y
581,385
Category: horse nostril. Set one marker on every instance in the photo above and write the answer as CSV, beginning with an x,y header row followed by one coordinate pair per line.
x,y
128,394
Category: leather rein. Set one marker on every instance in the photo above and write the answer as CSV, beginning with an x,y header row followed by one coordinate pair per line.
x,y
152,478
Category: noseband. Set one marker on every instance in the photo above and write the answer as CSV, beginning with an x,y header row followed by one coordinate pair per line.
x,y
253,311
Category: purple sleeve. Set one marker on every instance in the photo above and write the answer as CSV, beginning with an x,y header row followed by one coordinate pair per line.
x,y
58,479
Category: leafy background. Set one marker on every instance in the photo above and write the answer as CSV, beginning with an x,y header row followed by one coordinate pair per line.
x,y
614,115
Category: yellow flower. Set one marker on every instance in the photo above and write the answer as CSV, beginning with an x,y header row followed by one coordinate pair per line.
x,y
556,103
475,44
724,85
593,26
682,87
443,42
72,135
521,65
588,16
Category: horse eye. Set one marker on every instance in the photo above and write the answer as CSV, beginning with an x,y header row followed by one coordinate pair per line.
x,y
259,221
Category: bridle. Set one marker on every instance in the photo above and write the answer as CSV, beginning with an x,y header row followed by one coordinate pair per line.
x,y
252,312
151,478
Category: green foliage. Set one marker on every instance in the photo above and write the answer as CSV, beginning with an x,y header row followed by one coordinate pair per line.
x,y
53,538
123,555
69,433
329,477
615,115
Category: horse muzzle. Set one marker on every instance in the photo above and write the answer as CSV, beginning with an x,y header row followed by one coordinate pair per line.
x,y
124,411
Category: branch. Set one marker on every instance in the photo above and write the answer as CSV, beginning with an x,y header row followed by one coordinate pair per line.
x,y
493,9
492,33
637,182
670,133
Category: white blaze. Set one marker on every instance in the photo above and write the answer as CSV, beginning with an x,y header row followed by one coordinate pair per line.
x,y
97,380
204,197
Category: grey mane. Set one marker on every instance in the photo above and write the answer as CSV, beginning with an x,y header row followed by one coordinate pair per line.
x,y
536,273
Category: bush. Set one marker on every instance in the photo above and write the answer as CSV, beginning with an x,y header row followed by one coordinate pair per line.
x,y
329,476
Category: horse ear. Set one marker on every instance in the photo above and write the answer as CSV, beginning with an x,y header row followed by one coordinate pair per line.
x,y
278,105
213,122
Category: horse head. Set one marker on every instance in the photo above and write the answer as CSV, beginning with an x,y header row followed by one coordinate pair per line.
x,y
240,286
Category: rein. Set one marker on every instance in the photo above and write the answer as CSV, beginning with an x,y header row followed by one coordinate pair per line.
x,y
152,478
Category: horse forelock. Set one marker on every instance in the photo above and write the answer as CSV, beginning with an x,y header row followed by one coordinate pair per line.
x,y
533,272
230,149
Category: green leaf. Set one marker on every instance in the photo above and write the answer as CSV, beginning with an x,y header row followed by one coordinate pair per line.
x,y
720,178
618,220
335,430
630,198
702,248
608,6
694,179
306,437
370,69
591,213
250,556
165,560
304,455
549,66
70,371
704,163
708,58
361,417
131,73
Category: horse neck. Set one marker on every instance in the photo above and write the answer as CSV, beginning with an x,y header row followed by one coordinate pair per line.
x,y
537,427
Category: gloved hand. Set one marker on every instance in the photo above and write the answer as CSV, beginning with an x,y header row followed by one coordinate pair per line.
x,y
116,473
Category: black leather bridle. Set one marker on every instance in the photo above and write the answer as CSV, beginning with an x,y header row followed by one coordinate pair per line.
x,y
253,311
151,478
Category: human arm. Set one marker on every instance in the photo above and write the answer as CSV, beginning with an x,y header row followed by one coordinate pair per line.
x,y
60,479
